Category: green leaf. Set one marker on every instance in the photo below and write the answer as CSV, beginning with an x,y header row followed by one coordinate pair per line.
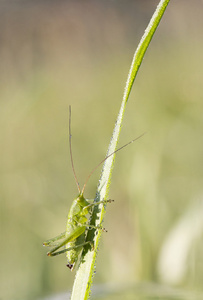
x,y
86,270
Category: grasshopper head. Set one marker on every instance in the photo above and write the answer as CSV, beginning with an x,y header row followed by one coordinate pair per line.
x,y
82,201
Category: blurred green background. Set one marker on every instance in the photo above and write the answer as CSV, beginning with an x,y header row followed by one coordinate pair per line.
x,y
57,53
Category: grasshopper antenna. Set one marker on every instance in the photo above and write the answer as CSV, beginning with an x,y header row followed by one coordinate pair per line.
x,y
71,155
103,160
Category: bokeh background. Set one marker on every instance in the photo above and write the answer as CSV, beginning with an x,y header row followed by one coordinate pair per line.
x,y
59,53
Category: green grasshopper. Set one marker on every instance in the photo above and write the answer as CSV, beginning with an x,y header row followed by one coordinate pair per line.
x,y
77,223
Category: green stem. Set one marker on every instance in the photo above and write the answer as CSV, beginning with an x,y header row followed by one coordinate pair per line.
x,y
85,273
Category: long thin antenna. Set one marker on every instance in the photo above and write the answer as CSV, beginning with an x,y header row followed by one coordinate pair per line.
x,y
70,148
108,157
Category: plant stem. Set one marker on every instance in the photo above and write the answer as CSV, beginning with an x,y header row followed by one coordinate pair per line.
x,y
85,273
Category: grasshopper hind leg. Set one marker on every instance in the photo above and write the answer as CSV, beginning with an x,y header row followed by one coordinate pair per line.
x,y
51,242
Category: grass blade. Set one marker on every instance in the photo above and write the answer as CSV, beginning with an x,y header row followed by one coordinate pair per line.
x,y
85,273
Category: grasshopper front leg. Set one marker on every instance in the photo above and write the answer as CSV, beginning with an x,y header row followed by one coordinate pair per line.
x,y
86,209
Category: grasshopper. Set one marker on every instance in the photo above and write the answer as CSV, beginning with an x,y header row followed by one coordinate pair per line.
x,y
73,239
